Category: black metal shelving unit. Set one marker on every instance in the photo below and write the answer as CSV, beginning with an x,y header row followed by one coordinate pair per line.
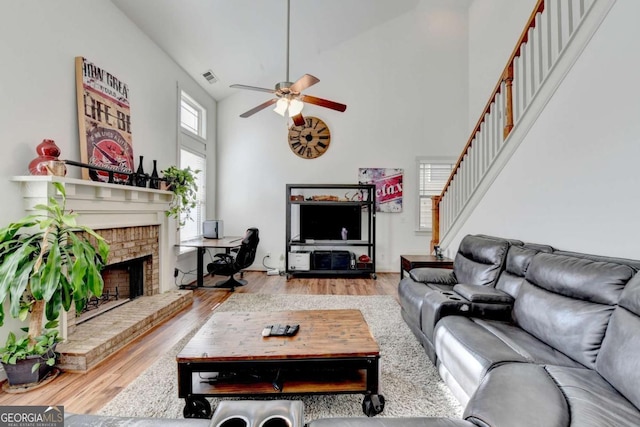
x,y
363,196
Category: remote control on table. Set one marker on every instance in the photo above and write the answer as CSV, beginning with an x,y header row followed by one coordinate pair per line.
x,y
292,330
266,331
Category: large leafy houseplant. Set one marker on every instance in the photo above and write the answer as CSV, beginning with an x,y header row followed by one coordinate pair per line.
x,y
47,263
185,189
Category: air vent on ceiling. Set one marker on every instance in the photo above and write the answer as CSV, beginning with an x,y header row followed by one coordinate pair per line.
x,y
211,78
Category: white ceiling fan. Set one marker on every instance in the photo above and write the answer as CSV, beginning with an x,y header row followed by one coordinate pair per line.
x,y
289,98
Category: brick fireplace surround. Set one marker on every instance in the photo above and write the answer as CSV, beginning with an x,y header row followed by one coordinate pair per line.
x,y
133,221
128,244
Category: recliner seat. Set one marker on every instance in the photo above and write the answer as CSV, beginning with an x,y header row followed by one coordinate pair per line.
x,y
479,261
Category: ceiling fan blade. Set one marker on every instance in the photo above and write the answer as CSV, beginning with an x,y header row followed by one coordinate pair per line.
x,y
259,89
304,82
258,108
298,120
323,103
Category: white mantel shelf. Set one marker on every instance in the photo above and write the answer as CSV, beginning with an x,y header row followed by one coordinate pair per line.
x,y
99,204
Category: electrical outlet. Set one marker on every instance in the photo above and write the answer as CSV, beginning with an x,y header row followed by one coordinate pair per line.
x,y
268,255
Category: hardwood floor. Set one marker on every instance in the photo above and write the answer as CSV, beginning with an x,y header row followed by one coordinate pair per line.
x,y
87,393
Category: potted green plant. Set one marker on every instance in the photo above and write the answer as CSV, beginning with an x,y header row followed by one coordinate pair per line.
x,y
185,188
47,263
27,360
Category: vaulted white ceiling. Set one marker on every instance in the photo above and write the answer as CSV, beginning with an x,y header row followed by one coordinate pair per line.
x,y
244,41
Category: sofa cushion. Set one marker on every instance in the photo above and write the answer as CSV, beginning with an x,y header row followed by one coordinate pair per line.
x,y
470,347
619,359
593,402
536,395
518,394
389,422
593,281
566,302
572,326
516,265
479,260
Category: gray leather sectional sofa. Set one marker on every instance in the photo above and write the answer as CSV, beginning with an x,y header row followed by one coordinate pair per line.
x,y
524,335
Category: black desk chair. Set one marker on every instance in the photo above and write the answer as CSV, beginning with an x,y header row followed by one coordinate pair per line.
x,y
228,264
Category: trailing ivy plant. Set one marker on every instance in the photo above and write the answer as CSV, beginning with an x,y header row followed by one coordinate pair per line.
x,y
185,189
47,263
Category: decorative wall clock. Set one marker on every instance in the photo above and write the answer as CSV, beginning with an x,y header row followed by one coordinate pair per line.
x,y
311,139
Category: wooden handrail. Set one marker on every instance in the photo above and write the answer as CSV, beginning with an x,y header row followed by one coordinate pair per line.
x,y
531,23
507,78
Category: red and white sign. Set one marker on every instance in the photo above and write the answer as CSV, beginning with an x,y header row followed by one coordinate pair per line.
x,y
388,184
104,121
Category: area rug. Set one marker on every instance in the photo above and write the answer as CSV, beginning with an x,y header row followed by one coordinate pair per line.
x,y
409,381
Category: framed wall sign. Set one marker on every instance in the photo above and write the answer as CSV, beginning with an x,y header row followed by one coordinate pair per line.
x,y
104,121
388,182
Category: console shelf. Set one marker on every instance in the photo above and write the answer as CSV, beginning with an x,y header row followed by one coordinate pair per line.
x,y
360,196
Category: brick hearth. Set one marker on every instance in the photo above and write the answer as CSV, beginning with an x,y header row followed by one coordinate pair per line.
x,y
92,342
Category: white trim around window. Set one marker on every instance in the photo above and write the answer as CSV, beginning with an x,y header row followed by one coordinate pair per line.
x,y
193,116
433,173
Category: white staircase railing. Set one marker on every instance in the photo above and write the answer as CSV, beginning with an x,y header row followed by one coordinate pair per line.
x,y
553,39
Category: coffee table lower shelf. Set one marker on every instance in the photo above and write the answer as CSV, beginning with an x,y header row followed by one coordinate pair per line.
x,y
197,380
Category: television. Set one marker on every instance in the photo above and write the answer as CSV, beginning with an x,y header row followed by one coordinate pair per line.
x,y
326,222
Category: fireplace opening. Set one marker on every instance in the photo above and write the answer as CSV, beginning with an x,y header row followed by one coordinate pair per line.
x,y
123,282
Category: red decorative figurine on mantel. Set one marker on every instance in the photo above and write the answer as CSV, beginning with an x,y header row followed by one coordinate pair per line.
x,y
47,162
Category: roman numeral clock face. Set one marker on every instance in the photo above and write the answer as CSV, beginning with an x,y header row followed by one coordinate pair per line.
x,y
310,140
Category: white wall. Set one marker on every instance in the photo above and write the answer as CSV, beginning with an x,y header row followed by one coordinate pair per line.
x,y
405,84
494,28
573,183
40,40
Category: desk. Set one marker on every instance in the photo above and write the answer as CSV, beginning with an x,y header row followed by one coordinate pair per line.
x,y
202,244
409,262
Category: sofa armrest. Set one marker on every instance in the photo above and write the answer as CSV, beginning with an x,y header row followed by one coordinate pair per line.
x,y
438,304
439,276
483,294
496,404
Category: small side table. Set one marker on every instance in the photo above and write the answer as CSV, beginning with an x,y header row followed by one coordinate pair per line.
x,y
409,262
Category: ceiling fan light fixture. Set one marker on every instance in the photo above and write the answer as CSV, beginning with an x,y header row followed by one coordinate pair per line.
x,y
281,106
289,97
295,107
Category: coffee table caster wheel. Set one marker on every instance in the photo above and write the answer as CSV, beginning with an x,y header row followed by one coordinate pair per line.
x,y
197,407
373,404
374,276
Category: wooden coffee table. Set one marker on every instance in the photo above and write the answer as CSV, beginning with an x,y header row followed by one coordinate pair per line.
x,y
333,352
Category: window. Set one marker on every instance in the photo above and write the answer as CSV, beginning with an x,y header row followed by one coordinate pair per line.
x,y
193,227
432,177
193,149
193,116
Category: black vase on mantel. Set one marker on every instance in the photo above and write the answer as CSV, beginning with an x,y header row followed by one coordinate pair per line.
x,y
141,179
154,182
